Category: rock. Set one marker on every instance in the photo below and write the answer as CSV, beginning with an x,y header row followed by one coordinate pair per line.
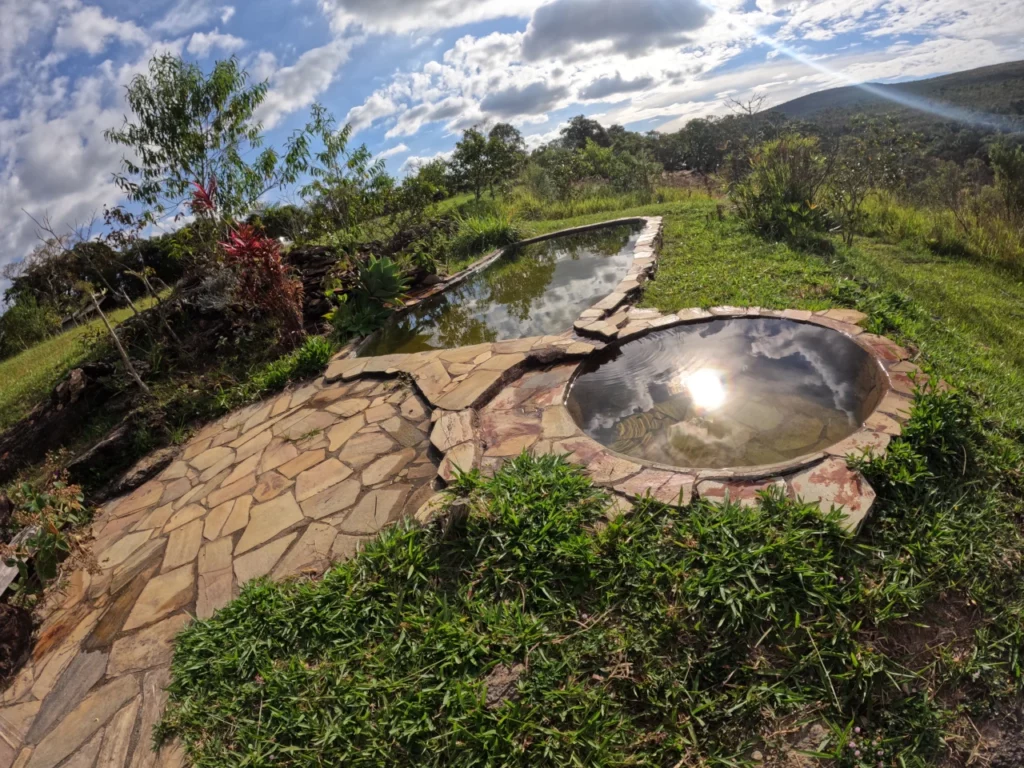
x,y
832,484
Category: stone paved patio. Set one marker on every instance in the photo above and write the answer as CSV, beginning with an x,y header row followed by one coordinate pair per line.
x,y
288,486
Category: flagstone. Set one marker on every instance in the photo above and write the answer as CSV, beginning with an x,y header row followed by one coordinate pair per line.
x,y
146,648
85,670
453,428
402,431
511,446
322,476
340,433
501,362
17,719
254,446
216,589
313,421
157,518
194,448
241,469
413,409
175,470
113,618
184,515
261,561
83,722
212,456
233,491
117,737
303,394
122,549
227,463
556,423
216,519
375,510
302,462
863,440
277,453
142,498
833,484
471,392
334,499
312,549
162,595
202,492
364,448
223,438
154,697
349,407
268,520
215,555
465,457
239,517
387,466
432,378
183,545
280,404
380,413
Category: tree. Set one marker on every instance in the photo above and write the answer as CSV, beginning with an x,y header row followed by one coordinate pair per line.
x,y
506,153
581,129
190,126
469,161
347,188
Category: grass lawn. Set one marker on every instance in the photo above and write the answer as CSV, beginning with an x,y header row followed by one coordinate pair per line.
x,y
27,378
539,632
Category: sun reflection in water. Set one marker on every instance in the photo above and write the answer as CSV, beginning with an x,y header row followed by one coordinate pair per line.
x,y
706,388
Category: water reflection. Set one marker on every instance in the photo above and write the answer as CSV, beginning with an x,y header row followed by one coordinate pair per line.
x,y
532,291
727,393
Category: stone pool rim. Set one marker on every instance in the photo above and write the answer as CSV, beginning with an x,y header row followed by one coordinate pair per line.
x,y
746,472
650,226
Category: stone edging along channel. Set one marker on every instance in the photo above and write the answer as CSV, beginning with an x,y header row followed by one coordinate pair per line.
x,y
495,400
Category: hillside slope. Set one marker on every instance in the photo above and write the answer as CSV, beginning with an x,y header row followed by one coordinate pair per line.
x,y
993,96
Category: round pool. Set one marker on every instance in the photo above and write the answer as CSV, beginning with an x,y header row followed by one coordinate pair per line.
x,y
724,393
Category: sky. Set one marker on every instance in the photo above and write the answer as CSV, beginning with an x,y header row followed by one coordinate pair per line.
x,y
410,75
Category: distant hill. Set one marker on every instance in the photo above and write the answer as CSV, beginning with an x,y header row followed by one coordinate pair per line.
x,y
990,98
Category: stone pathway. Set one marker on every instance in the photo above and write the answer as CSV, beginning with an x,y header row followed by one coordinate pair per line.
x,y
281,488
288,486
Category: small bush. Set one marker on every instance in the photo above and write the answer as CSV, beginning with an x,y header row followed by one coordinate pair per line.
x,y
779,196
264,283
50,509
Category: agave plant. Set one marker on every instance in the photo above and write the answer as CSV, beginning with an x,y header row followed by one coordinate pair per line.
x,y
382,280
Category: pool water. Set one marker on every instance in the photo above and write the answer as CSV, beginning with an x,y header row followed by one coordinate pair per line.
x,y
534,290
727,393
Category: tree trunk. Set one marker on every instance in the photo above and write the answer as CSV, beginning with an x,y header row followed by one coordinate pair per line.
x,y
117,343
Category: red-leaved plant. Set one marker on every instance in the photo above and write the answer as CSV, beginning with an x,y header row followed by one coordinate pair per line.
x,y
263,279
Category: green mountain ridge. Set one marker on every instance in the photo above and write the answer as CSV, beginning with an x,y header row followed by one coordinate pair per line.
x,y
993,94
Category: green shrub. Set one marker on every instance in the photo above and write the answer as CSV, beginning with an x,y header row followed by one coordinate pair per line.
x,y
26,323
779,197
51,510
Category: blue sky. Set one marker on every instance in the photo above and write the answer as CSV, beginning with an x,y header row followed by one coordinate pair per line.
x,y
411,74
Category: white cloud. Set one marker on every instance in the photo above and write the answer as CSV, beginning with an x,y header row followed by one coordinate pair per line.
x,y
398,149
415,162
89,30
632,28
604,87
192,14
202,43
418,15
297,86
379,105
